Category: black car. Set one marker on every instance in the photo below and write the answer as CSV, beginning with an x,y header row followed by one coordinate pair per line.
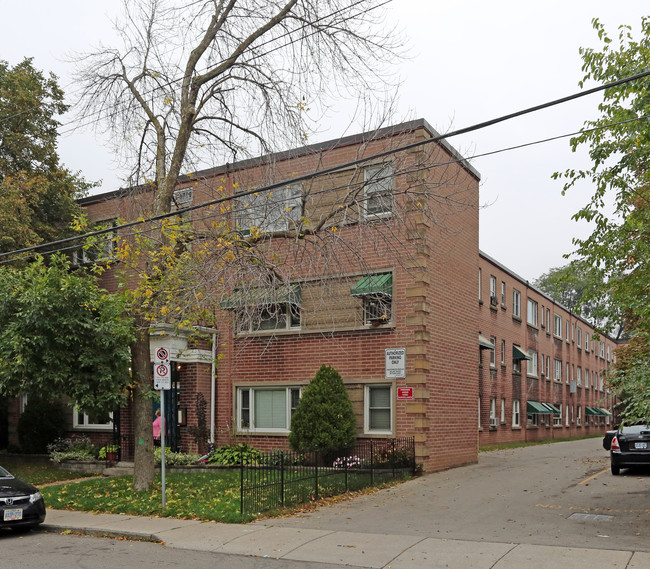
x,y
630,446
21,505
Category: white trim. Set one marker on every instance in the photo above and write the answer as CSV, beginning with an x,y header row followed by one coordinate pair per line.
x,y
366,409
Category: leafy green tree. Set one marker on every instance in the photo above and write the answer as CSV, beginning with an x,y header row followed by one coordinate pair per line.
x,y
62,336
324,420
37,194
619,210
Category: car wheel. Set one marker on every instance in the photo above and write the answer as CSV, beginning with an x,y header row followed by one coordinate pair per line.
x,y
616,469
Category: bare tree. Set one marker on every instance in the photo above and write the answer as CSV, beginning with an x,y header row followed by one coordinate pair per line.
x,y
219,80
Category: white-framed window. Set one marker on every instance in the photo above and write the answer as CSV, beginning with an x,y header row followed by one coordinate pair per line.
x,y
557,370
573,332
493,362
608,353
586,379
282,316
548,320
548,367
567,419
557,419
579,376
602,349
378,190
532,363
516,303
493,290
516,413
493,412
567,332
85,421
543,312
378,409
532,419
557,325
270,211
503,293
503,352
503,410
532,312
587,342
568,372
100,248
579,337
267,408
579,415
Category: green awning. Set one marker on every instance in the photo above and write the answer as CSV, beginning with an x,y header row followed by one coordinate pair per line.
x,y
533,407
554,410
605,412
592,411
290,294
519,354
484,343
374,285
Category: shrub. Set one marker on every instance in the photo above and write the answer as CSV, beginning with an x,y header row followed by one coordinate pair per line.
x,y
75,448
42,422
324,420
279,457
175,458
235,454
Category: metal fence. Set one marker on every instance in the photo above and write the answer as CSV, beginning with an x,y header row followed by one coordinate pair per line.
x,y
282,478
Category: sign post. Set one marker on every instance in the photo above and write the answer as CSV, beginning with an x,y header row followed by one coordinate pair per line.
x,y
162,380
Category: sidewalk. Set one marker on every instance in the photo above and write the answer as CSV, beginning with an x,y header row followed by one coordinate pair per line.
x,y
342,548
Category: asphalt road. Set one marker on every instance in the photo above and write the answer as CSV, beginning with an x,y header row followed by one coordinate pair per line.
x,y
556,494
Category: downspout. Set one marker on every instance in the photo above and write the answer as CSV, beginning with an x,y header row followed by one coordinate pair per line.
x,y
213,394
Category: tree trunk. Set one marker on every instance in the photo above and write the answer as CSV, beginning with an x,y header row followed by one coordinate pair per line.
x,y
143,475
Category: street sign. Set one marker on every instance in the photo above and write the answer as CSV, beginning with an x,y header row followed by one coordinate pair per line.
x,y
395,363
161,356
162,377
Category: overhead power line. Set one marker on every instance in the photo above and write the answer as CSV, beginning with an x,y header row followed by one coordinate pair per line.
x,y
323,172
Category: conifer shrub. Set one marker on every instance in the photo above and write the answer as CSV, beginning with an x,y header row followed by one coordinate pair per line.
x,y
324,420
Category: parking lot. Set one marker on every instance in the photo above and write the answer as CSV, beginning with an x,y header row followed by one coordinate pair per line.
x,y
557,494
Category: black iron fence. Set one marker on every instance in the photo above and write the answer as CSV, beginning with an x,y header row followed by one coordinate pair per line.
x,y
282,478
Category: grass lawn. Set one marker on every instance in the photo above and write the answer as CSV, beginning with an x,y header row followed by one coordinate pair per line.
x,y
39,473
205,496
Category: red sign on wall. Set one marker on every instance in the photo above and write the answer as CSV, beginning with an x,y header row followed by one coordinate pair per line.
x,y
404,393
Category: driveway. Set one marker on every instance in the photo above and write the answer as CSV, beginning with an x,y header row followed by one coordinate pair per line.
x,y
556,494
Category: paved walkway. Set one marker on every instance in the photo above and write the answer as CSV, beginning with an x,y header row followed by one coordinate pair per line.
x,y
355,549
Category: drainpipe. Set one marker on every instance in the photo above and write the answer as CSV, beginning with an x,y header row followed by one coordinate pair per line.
x,y
213,395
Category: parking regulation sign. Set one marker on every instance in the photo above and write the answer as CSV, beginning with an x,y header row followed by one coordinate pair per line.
x,y
161,356
162,377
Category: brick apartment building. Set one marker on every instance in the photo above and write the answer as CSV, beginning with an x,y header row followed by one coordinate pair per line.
x,y
408,289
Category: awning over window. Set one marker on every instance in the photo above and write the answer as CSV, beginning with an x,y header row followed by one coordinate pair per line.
x,y
519,354
605,412
484,343
533,407
593,411
290,294
374,285
553,408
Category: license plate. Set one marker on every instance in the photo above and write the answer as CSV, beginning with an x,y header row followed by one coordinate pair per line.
x,y
13,515
640,445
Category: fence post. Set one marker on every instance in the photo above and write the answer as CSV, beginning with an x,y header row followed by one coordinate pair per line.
x,y
392,457
282,478
372,462
317,457
241,483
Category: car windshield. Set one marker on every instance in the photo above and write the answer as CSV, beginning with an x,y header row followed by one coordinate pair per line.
x,y
634,429
5,473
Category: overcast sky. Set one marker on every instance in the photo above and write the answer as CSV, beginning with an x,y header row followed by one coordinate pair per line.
x,y
471,60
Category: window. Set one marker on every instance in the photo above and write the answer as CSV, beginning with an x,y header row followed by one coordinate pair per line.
x,y
270,211
557,419
557,325
573,332
99,248
579,376
548,367
557,369
532,363
586,379
532,312
85,421
503,352
533,419
579,416
493,291
602,349
586,341
376,292
516,303
608,354
503,410
266,408
567,415
568,372
493,340
579,337
282,316
493,412
378,416
516,410
543,317
567,331
548,320
480,285
376,309
378,190
503,294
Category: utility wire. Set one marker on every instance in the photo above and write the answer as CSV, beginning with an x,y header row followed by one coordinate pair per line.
x,y
345,166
